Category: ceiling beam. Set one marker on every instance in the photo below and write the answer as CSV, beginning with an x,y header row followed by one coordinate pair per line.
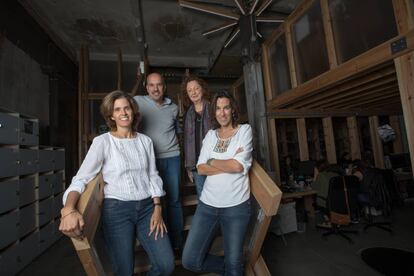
x,y
263,6
271,19
221,27
241,7
331,112
208,9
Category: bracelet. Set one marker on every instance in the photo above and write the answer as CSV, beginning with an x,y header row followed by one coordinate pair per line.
x,y
209,161
157,203
71,212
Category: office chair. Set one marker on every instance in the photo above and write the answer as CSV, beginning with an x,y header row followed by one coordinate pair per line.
x,y
341,200
376,184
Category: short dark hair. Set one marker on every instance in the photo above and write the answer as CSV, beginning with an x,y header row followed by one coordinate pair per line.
x,y
234,106
201,82
322,165
107,108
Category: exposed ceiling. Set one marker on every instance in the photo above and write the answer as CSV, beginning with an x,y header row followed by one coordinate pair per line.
x,y
170,35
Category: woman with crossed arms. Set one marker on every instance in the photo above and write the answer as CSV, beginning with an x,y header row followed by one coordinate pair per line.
x,y
225,157
131,207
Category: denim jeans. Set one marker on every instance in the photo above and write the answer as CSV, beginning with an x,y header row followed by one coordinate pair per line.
x,y
233,222
170,172
123,222
199,182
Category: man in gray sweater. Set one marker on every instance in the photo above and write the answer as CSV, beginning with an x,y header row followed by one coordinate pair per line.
x,y
160,122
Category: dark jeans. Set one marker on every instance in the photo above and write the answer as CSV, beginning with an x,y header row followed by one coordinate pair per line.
x,y
170,172
233,222
122,222
199,182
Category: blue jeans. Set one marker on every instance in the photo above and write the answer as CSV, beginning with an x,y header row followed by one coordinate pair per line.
x,y
199,182
170,172
233,222
123,222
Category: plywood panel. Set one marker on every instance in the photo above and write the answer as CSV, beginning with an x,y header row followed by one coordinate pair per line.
x,y
329,140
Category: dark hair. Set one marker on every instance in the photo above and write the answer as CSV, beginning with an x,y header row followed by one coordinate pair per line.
x,y
201,82
233,104
107,108
152,73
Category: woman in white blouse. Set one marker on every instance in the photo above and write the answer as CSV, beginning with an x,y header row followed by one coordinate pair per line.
x,y
131,208
225,157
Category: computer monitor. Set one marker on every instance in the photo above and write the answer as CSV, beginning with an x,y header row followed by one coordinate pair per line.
x,y
400,160
305,168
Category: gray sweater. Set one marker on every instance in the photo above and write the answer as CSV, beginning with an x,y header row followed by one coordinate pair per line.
x,y
160,124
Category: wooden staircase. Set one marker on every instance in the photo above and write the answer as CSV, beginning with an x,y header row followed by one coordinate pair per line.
x,y
265,192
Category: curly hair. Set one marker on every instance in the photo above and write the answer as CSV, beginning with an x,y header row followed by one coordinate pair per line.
x,y
107,109
235,116
201,82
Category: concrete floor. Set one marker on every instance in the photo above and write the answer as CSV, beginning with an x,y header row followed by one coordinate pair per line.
x,y
304,253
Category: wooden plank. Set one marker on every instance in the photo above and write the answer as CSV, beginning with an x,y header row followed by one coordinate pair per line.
x,y
89,205
377,148
363,99
299,194
403,12
327,26
361,63
291,57
248,270
260,267
274,151
397,143
190,200
259,236
353,133
316,141
329,140
302,139
265,191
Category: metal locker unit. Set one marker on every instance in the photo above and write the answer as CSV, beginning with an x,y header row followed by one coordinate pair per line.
x,y
28,132
28,161
45,187
46,159
9,128
9,224
8,260
58,183
27,219
45,211
9,190
9,160
46,236
59,158
27,192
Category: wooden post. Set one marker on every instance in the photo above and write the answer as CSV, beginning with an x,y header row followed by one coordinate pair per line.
x,y
327,26
302,139
274,152
120,71
266,73
397,143
329,140
376,142
283,138
353,132
404,65
80,105
291,56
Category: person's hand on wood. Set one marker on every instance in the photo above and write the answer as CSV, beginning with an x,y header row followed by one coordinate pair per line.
x,y
71,223
157,225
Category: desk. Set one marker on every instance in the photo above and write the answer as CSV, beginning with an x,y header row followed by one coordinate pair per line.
x,y
307,196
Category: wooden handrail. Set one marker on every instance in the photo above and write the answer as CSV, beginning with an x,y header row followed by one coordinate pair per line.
x,y
264,190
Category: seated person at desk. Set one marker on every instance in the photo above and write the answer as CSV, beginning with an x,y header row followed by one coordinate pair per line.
x,y
322,175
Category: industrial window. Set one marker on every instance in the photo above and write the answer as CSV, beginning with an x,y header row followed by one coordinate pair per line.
x,y
279,67
360,25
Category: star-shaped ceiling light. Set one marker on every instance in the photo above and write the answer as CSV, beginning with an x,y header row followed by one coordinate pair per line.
x,y
246,7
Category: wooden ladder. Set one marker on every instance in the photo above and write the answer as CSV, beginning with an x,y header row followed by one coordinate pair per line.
x,y
265,192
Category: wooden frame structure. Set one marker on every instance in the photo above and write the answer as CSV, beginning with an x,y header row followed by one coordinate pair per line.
x,y
264,190
376,82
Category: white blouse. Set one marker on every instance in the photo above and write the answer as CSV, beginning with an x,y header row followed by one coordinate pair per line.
x,y
227,189
128,168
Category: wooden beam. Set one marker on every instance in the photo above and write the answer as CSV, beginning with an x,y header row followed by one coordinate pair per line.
x,y
221,27
267,73
80,105
325,98
274,152
119,67
291,56
85,110
283,139
208,9
329,38
397,143
260,268
329,140
377,148
316,141
361,63
260,231
365,98
353,133
302,139
330,112
404,65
